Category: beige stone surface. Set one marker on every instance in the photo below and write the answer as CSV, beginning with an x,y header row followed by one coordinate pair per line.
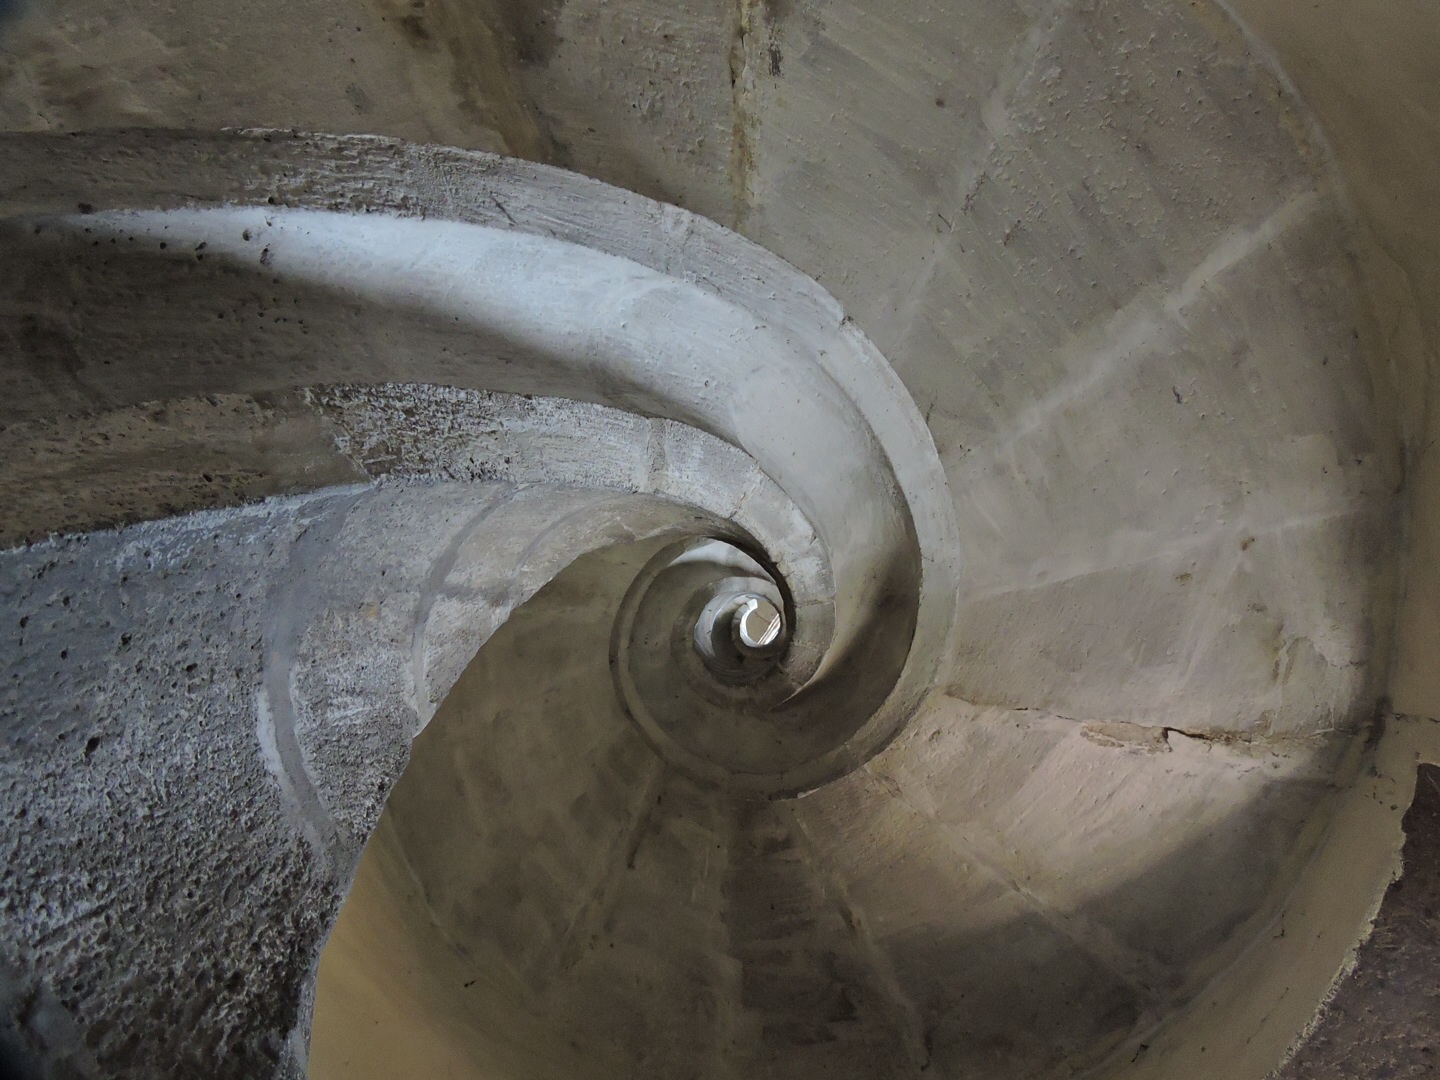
x,y
1079,395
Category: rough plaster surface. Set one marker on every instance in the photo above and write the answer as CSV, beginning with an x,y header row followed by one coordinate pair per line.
x,y
136,797
1165,376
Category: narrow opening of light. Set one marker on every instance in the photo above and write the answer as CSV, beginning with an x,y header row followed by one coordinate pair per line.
x,y
758,623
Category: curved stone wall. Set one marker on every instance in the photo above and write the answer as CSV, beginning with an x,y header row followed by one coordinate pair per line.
x,y
1064,443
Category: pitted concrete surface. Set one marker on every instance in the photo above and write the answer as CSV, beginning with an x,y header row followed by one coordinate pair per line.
x,y
1077,470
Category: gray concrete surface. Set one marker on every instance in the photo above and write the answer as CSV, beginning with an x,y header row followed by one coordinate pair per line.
x,y
1086,471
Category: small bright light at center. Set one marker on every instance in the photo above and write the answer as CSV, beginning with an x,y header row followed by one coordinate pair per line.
x,y
758,623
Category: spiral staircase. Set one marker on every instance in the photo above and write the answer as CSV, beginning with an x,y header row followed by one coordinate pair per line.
x,y
776,539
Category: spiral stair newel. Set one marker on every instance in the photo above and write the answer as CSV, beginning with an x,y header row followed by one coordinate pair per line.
x,y
478,621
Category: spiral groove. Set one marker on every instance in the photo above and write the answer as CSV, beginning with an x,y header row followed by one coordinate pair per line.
x,y
640,656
